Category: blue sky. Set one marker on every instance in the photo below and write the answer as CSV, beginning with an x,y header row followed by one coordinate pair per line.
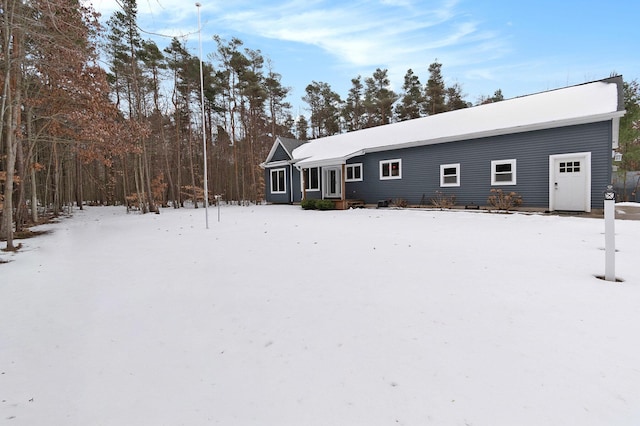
x,y
519,47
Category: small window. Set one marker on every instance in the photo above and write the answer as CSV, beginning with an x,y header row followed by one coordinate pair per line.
x,y
503,172
311,179
391,169
354,172
570,167
278,181
450,174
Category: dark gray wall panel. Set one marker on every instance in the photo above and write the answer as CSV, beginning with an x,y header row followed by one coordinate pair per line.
x,y
421,166
293,183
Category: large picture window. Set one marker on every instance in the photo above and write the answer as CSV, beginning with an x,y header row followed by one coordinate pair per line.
x,y
278,181
503,172
311,179
354,172
391,169
450,174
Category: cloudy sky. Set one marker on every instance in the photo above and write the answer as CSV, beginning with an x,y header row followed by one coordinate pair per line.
x,y
520,47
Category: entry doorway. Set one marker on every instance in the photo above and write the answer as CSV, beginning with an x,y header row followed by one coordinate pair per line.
x,y
332,182
570,182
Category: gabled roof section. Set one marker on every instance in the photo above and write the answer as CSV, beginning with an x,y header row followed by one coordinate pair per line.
x,y
584,103
288,144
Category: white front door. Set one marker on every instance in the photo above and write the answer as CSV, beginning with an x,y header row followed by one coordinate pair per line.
x,y
570,182
332,182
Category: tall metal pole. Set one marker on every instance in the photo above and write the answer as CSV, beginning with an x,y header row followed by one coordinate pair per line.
x,y
204,129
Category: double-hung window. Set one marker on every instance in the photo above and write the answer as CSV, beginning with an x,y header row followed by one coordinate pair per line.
x,y
278,181
354,172
450,174
391,169
503,172
311,179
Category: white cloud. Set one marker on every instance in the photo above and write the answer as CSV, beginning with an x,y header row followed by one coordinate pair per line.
x,y
356,37
384,33
363,33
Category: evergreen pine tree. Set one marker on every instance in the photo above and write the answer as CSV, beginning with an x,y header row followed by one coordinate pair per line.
x,y
379,99
412,98
435,92
353,111
455,98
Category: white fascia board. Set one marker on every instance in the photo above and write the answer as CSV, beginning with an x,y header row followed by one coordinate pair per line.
x,y
280,163
325,162
273,150
309,162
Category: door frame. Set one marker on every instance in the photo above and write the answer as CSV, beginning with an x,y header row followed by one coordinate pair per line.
x,y
583,156
326,182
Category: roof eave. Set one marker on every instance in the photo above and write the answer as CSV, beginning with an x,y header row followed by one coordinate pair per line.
x,y
503,131
326,162
272,164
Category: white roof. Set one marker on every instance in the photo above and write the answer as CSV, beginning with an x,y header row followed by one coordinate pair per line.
x,y
586,103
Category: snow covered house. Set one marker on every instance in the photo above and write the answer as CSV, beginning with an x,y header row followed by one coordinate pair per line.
x,y
553,148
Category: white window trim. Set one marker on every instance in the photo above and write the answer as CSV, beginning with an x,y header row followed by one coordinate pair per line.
x,y
353,166
302,180
395,160
284,191
442,176
494,163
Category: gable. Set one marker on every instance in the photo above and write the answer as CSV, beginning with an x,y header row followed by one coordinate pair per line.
x,y
282,149
280,154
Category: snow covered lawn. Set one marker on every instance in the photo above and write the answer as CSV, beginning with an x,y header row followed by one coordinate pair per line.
x,y
279,316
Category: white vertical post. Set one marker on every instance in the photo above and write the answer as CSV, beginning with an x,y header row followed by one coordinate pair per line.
x,y
609,234
204,127
218,203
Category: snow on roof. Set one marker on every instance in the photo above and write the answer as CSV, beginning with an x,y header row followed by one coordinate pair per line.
x,y
585,103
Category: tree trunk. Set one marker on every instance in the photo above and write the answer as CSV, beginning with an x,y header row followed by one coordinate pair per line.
x,y
6,230
56,180
13,56
145,159
193,175
34,196
79,193
21,205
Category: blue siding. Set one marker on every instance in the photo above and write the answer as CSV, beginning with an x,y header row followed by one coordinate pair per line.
x,y
421,166
280,154
292,184
292,179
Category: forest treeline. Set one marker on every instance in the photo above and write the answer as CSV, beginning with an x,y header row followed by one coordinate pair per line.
x,y
94,113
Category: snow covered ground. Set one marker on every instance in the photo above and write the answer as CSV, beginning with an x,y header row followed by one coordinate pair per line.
x,y
279,316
